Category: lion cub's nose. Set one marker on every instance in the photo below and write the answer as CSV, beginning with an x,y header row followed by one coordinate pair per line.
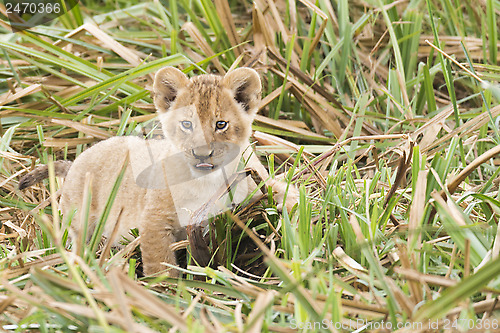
x,y
203,152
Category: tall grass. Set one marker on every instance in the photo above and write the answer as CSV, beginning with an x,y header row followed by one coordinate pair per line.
x,y
384,114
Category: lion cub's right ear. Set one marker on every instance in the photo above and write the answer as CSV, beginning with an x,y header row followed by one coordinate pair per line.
x,y
168,82
245,85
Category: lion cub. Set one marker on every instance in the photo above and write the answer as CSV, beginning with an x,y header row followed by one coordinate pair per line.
x,y
206,122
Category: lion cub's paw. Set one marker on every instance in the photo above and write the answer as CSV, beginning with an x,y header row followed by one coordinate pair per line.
x,y
279,188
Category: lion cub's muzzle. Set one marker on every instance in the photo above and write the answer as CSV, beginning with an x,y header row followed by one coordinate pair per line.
x,y
204,157
209,157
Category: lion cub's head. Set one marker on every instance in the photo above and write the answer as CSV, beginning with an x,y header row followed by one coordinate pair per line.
x,y
207,117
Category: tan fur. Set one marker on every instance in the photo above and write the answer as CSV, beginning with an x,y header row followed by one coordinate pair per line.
x,y
41,172
164,181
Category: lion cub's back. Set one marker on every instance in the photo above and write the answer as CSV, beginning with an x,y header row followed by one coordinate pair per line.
x,y
103,162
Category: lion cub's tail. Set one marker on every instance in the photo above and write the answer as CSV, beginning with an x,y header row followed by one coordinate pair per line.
x,y
41,172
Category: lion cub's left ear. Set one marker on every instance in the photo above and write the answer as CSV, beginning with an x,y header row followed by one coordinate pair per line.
x,y
245,84
168,82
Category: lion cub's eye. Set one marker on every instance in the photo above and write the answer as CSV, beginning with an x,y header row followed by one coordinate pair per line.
x,y
220,125
186,124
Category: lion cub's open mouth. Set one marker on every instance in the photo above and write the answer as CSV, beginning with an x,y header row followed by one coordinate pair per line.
x,y
204,166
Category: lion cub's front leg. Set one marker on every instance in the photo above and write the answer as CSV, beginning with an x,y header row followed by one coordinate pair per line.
x,y
157,231
279,185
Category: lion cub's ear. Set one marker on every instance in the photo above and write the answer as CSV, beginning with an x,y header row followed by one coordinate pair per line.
x,y
245,84
168,82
